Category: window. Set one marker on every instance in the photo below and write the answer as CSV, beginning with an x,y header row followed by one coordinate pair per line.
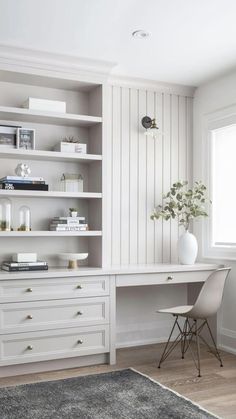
x,y
219,233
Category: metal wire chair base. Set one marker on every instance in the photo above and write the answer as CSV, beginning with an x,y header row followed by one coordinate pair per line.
x,y
191,329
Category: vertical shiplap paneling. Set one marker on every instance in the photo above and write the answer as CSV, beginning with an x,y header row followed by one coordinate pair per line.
x,y
116,175
142,184
174,164
182,142
124,174
150,176
142,169
158,155
133,166
189,138
166,173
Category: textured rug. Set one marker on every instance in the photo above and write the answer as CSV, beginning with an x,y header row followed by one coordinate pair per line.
x,y
122,394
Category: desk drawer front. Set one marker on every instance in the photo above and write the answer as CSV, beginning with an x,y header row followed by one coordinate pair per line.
x,y
161,278
22,317
50,289
64,343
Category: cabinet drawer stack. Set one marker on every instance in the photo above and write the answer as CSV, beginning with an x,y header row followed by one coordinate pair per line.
x,y
43,319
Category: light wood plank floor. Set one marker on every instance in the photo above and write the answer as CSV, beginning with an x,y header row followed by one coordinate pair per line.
x,y
215,391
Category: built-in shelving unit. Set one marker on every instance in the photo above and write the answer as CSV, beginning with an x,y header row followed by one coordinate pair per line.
x,y
50,194
49,156
41,117
83,119
88,233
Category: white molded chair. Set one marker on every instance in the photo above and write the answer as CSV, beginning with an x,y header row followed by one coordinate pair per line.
x,y
206,305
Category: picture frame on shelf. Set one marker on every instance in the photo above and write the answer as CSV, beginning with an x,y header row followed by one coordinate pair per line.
x,y
25,138
8,136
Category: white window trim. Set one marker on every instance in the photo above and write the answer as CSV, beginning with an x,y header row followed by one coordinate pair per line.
x,y
219,119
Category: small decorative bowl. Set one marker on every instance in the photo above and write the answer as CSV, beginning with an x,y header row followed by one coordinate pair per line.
x,y
73,258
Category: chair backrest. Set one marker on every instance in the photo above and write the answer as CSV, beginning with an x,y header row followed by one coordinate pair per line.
x,y
210,296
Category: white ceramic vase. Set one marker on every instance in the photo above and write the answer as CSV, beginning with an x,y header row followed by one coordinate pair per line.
x,y
187,248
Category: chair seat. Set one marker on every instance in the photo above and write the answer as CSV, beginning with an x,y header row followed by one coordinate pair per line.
x,y
180,310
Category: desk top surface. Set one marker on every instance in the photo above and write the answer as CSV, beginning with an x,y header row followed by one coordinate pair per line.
x,y
114,270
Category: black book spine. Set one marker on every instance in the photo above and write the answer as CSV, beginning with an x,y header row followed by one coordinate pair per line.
x,y
23,186
25,268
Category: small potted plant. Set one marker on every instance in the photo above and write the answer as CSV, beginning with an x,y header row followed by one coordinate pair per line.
x,y
184,204
73,212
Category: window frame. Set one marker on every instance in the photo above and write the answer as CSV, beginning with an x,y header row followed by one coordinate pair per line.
x,y
219,119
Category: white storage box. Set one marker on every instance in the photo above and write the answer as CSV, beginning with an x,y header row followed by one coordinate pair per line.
x,y
45,105
66,147
72,185
24,257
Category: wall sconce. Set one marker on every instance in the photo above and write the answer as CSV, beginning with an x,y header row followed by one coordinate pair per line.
x,y
150,125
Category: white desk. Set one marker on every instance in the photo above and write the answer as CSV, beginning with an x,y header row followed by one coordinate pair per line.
x,y
69,317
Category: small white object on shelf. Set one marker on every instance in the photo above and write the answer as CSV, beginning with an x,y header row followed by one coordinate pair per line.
x,y
22,170
67,147
24,257
45,105
72,183
73,258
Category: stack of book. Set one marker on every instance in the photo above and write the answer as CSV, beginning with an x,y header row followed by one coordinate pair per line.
x,y
23,183
68,224
24,266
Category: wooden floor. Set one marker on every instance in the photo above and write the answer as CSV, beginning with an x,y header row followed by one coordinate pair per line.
x,y
215,391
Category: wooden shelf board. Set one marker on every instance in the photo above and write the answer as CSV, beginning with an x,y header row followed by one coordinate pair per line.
x,y
43,117
50,194
48,155
89,233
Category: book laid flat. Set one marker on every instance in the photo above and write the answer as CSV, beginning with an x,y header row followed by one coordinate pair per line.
x,y
17,264
24,268
24,186
22,178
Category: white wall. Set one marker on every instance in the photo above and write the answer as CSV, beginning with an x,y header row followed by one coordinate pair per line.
x,y
208,98
140,170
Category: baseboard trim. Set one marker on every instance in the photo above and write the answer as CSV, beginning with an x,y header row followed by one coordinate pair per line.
x,y
227,340
143,342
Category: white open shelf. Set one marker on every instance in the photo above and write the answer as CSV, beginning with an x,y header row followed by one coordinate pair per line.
x,y
88,233
50,194
48,155
42,117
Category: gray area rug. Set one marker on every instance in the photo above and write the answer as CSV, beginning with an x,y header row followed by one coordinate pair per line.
x,y
120,394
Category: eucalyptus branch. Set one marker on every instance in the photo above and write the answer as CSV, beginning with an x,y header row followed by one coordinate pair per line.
x,y
184,203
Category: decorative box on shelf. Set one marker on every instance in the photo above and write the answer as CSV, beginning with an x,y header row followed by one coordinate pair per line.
x,y
70,147
36,104
72,183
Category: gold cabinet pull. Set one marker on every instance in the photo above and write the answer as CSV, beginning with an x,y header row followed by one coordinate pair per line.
x,y
29,290
79,313
29,316
30,347
79,287
80,342
170,277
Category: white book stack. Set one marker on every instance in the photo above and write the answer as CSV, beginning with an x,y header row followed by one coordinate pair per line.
x,y
68,224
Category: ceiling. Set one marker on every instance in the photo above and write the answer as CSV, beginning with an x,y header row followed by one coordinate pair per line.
x,y
190,41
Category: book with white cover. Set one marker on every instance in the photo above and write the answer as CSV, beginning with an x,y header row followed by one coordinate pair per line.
x,y
36,104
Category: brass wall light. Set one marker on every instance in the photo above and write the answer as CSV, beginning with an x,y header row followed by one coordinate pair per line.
x,y
150,125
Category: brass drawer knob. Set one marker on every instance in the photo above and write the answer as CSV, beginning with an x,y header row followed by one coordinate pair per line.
x,y
79,287
30,347
80,342
29,316
79,313
29,290
170,277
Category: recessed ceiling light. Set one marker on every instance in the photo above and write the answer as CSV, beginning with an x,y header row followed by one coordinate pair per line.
x,y
140,34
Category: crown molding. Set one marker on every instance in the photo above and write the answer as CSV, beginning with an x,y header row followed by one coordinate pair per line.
x,y
17,59
145,84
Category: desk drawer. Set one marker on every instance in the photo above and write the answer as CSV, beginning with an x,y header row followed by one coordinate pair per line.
x,y
52,289
161,278
65,343
33,316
